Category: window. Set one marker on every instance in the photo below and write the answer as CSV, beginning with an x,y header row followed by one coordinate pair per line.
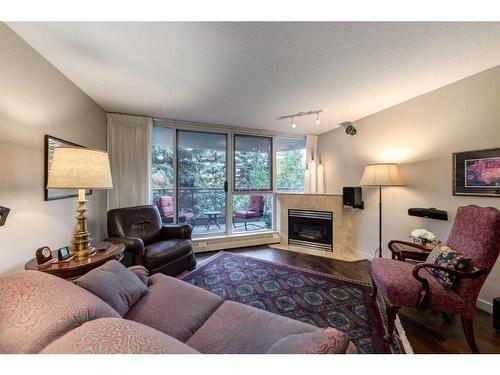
x,y
201,180
194,189
162,173
252,163
291,164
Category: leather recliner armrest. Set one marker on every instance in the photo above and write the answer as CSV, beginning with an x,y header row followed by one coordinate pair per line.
x,y
178,231
134,249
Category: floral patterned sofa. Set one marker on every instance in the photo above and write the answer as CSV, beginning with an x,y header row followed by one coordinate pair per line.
x,y
40,313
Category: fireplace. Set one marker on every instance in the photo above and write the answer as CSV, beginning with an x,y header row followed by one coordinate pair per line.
x,y
312,229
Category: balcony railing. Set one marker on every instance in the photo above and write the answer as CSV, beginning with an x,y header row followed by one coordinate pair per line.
x,y
199,201
196,200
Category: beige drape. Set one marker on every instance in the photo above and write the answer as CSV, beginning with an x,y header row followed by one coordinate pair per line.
x,y
129,149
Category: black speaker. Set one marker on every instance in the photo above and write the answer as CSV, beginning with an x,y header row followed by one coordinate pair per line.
x,y
431,213
496,314
353,197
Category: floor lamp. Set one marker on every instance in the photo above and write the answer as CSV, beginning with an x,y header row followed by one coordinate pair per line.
x,y
386,174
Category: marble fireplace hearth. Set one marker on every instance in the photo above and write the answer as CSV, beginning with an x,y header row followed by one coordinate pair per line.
x,y
342,223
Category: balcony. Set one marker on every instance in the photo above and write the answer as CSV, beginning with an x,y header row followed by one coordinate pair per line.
x,y
205,210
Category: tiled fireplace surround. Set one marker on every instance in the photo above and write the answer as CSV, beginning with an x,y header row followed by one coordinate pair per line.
x,y
342,222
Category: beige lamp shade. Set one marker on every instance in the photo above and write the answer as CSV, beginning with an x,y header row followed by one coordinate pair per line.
x,y
386,174
79,168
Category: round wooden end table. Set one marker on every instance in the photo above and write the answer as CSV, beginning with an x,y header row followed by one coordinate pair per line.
x,y
73,269
411,252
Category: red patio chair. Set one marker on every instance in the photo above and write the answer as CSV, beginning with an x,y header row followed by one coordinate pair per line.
x,y
254,211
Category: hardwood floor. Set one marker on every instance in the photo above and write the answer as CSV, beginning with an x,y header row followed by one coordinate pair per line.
x,y
427,331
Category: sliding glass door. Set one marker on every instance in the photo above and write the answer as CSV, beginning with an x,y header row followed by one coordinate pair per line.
x,y
252,183
202,181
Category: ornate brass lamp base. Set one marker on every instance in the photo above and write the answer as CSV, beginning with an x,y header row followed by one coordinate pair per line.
x,y
82,242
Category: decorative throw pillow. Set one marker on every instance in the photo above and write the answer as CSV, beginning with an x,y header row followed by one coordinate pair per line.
x,y
327,341
115,284
141,272
443,255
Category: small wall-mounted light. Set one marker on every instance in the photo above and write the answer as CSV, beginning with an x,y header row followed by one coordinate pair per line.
x,y
4,212
349,127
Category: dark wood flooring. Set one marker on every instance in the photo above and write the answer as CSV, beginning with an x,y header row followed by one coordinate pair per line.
x,y
427,331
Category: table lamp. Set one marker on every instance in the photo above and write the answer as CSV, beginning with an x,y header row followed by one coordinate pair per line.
x,y
80,168
384,174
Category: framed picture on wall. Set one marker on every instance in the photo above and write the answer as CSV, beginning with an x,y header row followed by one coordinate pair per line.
x,y
50,194
477,173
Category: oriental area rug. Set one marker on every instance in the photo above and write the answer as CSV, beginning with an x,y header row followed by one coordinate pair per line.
x,y
313,297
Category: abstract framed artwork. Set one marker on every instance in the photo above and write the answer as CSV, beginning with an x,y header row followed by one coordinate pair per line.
x,y
50,194
477,173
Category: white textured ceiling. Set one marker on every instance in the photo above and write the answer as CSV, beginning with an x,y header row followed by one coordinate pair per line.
x,y
247,74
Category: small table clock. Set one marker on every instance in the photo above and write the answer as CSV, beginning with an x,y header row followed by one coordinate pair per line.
x,y
43,255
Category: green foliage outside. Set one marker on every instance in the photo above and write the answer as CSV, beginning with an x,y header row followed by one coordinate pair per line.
x,y
202,173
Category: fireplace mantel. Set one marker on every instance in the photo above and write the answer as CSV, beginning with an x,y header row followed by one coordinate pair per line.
x,y
342,222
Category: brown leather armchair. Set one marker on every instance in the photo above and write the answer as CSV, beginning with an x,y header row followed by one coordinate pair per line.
x,y
160,248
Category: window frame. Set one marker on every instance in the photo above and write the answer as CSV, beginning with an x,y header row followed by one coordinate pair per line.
x,y
271,165
230,132
277,190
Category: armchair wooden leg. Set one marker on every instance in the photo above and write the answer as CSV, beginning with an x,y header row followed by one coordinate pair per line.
x,y
391,312
467,323
446,317
374,289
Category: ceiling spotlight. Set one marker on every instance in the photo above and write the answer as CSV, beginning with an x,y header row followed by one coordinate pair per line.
x,y
300,114
349,127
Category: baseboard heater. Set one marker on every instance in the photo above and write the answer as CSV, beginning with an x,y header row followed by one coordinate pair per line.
x,y
233,241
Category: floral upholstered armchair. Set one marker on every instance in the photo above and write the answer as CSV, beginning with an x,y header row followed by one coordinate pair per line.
x,y
476,235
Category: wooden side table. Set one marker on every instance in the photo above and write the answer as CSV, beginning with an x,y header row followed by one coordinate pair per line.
x,y
73,269
402,251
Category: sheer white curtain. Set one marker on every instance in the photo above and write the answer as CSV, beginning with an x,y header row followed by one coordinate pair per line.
x,y
129,149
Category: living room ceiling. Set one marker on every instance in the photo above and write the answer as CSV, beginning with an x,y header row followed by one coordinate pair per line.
x,y
248,74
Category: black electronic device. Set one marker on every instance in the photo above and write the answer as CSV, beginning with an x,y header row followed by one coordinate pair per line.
x,y
63,254
103,246
430,213
353,197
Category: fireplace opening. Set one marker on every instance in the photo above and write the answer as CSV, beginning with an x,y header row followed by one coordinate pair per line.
x,y
311,229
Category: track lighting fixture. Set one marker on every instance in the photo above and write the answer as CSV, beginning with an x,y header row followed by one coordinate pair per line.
x,y
300,114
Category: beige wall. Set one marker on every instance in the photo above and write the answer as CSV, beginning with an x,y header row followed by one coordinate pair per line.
x,y
421,134
36,99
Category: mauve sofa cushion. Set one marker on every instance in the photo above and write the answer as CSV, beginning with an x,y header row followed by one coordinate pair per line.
x,y
115,284
242,329
116,336
174,307
37,308
327,341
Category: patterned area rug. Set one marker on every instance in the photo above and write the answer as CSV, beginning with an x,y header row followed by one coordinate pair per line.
x,y
316,298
